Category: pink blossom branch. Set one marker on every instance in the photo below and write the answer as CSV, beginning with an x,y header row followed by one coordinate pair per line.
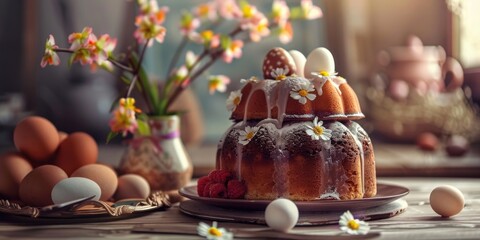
x,y
110,59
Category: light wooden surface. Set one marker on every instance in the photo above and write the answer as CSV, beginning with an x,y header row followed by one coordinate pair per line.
x,y
417,222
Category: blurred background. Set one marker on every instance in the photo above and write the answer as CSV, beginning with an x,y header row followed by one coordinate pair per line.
x,y
355,31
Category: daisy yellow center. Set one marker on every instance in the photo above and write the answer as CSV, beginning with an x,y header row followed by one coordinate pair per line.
x,y
214,232
324,73
303,93
236,101
318,130
352,224
280,77
249,135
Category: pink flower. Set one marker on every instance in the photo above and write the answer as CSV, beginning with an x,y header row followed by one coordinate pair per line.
x,y
188,24
207,38
104,48
147,7
50,57
82,55
285,33
79,39
234,50
206,11
310,11
259,28
228,9
148,28
218,83
280,12
180,74
124,119
248,14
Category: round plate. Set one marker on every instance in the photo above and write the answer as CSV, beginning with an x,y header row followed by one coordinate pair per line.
x,y
386,193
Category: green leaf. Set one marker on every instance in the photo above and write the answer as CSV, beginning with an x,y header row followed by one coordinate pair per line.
x,y
149,88
126,80
296,13
225,41
143,128
111,135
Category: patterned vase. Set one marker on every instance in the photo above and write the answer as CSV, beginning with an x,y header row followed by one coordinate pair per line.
x,y
160,158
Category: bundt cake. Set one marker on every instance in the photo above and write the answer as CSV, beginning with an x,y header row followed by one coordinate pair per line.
x,y
293,134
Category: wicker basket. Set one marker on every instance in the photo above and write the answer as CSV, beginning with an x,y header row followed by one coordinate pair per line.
x,y
441,113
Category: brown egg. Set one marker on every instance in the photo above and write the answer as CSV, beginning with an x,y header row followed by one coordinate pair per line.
x,y
77,150
103,175
36,188
13,168
132,186
36,137
62,136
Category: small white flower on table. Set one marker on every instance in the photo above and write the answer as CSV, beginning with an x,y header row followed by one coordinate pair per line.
x,y
233,100
280,73
353,226
247,135
302,92
212,232
316,130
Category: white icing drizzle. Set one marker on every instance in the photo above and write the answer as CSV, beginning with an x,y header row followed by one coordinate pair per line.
x,y
354,129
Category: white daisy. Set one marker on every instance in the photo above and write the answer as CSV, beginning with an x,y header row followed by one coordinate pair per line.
x,y
351,225
324,74
247,135
301,92
212,232
233,100
279,73
251,79
316,130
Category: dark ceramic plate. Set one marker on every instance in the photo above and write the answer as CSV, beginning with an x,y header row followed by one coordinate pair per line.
x,y
386,193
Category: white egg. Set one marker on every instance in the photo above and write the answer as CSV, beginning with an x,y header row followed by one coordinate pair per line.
x,y
320,59
74,188
447,200
281,214
299,60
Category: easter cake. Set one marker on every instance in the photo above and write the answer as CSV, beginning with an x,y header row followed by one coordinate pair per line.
x,y
294,134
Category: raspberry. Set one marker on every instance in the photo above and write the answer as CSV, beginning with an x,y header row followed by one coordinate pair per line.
x,y
236,189
217,190
201,184
206,190
220,176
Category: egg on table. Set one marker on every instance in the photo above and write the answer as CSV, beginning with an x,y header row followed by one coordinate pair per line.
x,y
104,176
77,150
281,214
13,168
37,138
447,200
36,187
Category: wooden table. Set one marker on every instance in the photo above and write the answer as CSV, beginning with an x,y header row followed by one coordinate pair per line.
x,y
417,222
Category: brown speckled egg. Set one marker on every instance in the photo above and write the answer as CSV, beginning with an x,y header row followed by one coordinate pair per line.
x,y
132,186
37,138
77,150
13,168
101,174
278,58
36,188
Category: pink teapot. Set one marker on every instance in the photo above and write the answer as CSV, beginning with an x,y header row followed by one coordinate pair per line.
x,y
423,68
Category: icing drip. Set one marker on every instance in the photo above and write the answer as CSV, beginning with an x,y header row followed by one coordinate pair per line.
x,y
239,161
318,84
354,129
